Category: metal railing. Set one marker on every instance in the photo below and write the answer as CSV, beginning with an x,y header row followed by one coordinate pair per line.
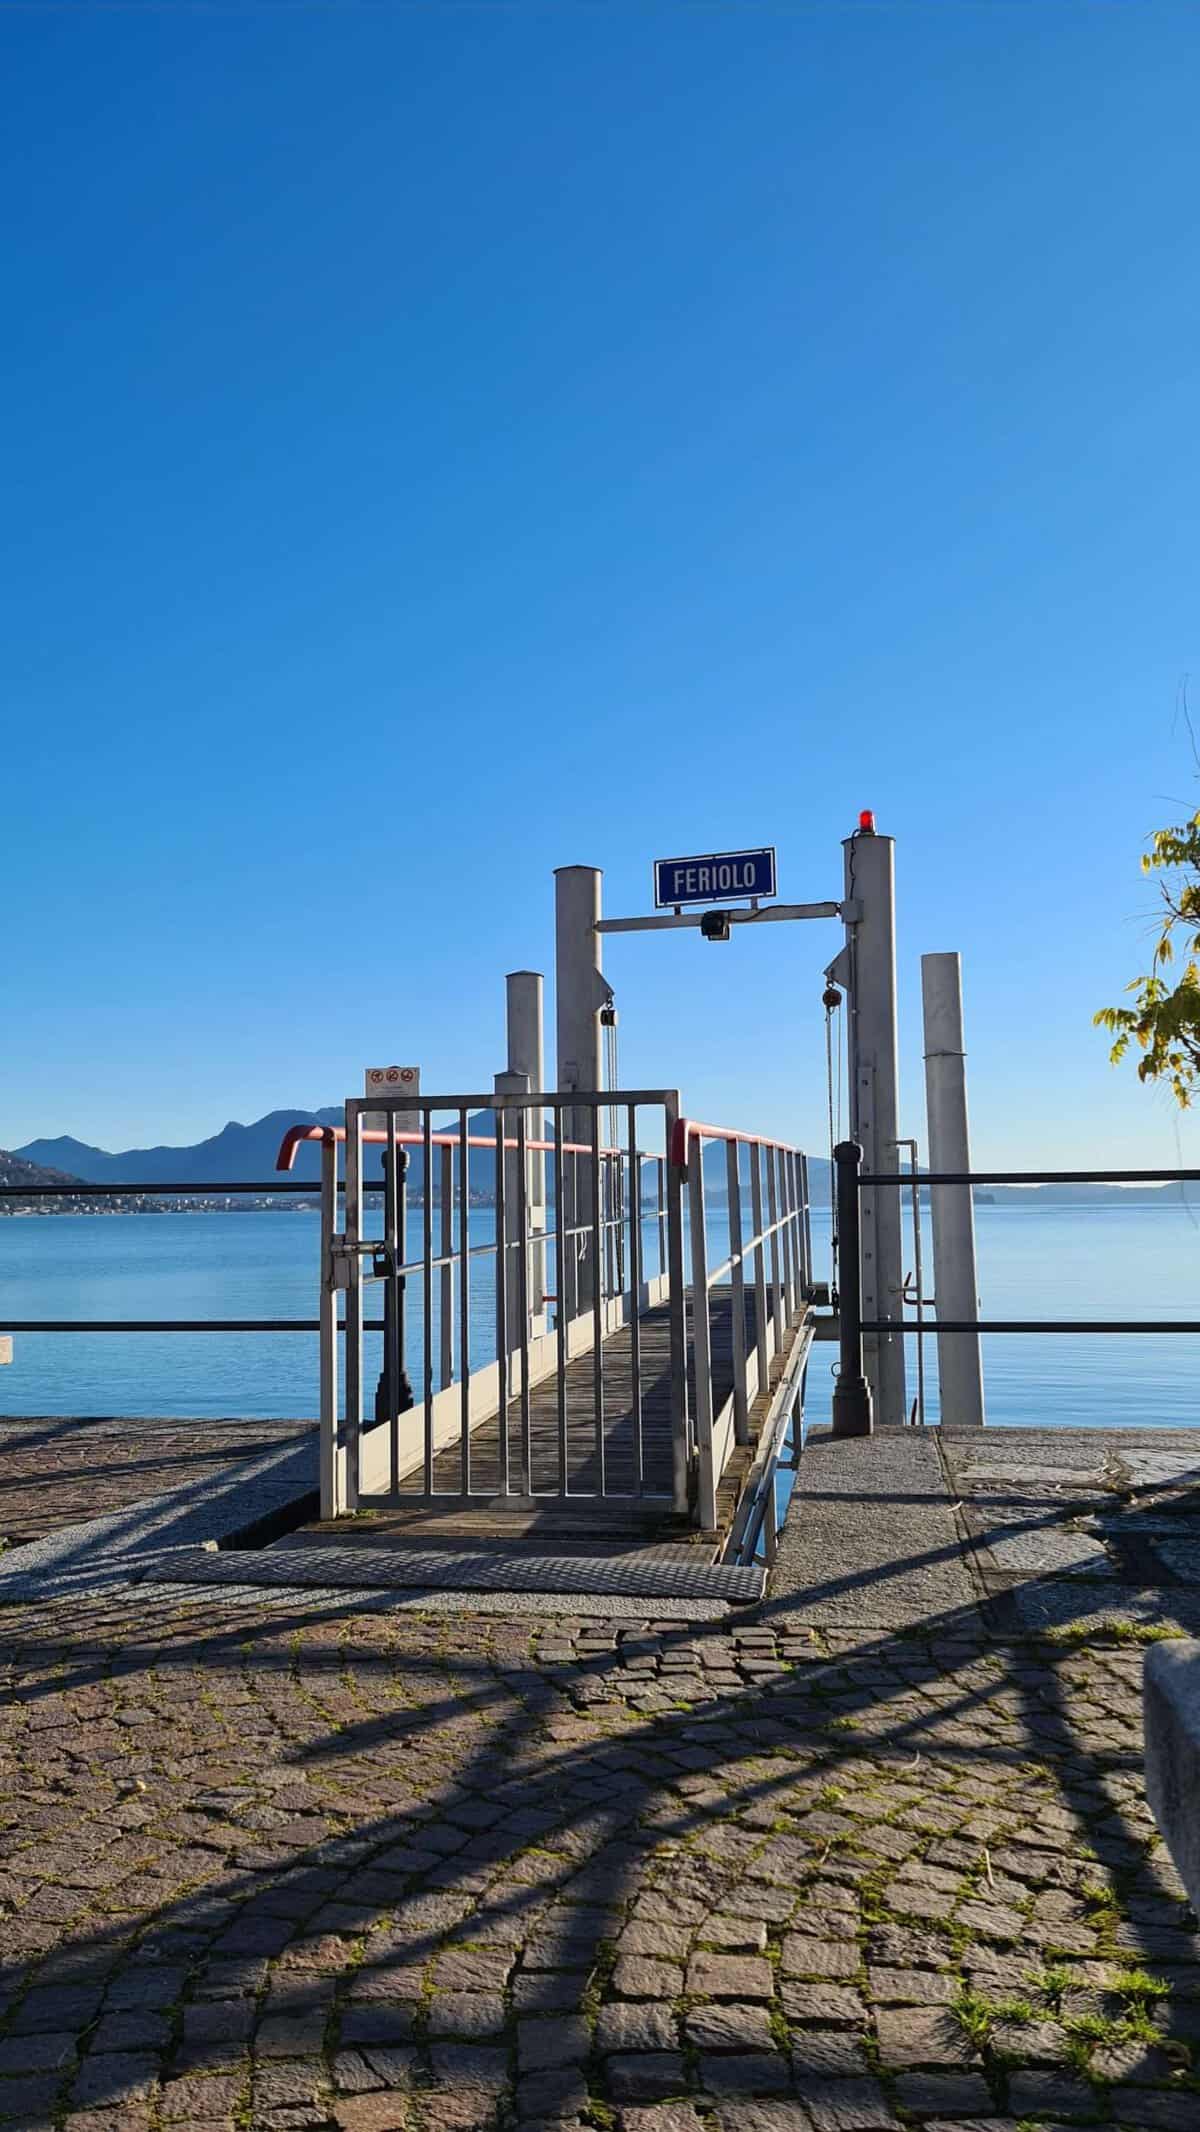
x,y
196,1195
769,1261
852,1399
513,1426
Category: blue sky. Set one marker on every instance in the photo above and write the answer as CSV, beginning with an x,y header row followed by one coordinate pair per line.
x,y
447,442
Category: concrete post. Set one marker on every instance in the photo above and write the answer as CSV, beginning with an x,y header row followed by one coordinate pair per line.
x,y
527,1055
579,994
875,1108
955,1280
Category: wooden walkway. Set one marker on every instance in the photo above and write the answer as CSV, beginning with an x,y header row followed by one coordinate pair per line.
x,y
582,1520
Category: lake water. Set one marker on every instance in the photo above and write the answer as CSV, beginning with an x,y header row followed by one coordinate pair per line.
x,y
1042,1262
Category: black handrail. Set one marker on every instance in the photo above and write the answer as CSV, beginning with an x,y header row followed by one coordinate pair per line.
x,y
851,1180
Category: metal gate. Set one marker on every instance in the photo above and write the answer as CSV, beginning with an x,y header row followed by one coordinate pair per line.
x,y
527,1253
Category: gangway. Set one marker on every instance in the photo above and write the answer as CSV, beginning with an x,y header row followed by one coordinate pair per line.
x,y
599,1368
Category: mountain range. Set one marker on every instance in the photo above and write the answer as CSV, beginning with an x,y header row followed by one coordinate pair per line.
x,y
245,1154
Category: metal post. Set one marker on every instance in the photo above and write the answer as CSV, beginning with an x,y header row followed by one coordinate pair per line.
x,y
681,1448
333,1452
446,1253
527,1054
512,1244
875,1105
352,1219
708,1477
580,992
757,1219
955,1278
851,1392
737,1299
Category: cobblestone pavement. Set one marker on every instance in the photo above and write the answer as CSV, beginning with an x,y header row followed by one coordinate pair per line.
x,y
58,1472
291,1860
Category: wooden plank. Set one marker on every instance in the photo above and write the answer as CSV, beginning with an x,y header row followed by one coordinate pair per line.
x,y
622,1477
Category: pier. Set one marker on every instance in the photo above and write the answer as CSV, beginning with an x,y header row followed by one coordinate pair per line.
x,y
505,1749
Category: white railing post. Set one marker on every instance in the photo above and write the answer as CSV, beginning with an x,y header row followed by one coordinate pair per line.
x,y
446,1253
760,1267
512,1244
352,1225
776,1253
706,1506
527,1055
332,1457
677,1308
737,1327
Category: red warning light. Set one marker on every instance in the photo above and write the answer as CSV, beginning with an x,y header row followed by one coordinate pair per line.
x,y
866,822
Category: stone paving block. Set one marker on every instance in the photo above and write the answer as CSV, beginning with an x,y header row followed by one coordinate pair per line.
x,y
915,2036
41,2053
198,2096
910,1987
467,2014
729,1976
666,2117
748,2115
745,2073
849,2106
637,1977
819,2054
640,2076
559,2092
466,2065
635,2026
546,2042
1158,2112
378,2021
1049,2095
729,2028
824,1959
115,2077
927,2094
372,2113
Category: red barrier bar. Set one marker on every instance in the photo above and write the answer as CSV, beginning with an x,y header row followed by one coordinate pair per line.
x,y
690,1129
332,1135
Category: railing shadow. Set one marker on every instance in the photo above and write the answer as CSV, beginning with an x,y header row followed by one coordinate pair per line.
x,y
508,1760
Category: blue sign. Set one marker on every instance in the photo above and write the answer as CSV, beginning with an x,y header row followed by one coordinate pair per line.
x,y
715,877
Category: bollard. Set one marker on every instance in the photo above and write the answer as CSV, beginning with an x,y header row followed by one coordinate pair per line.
x,y
851,1393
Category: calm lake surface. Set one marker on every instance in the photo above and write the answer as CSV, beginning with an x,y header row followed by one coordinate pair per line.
x,y
1039,1262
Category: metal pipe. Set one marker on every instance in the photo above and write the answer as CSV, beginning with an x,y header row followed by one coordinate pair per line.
x,y
770,914
852,1414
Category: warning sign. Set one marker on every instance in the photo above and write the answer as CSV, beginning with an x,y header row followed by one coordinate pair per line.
x,y
393,1081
